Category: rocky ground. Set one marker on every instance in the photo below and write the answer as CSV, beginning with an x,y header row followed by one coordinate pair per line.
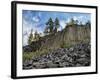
x,y
75,56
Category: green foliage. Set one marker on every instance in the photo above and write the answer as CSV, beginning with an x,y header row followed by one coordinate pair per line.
x,y
65,45
56,24
73,22
30,37
30,55
36,36
27,56
76,22
50,25
46,31
88,24
81,24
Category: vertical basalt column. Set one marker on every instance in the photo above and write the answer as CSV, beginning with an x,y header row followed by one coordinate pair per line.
x,y
72,33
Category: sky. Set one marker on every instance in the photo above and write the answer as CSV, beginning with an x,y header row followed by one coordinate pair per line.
x,y
36,20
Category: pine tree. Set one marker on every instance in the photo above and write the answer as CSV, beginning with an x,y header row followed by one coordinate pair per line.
x,y
81,24
88,24
30,37
76,22
56,24
72,22
46,31
50,25
36,36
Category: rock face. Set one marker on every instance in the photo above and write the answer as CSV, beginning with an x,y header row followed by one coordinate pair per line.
x,y
75,56
69,35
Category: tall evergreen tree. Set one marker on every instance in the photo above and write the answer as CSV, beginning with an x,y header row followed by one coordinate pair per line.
x,y
88,24
72,22
50,25
30,38
76,22
56,24
81,24
36,36
46,31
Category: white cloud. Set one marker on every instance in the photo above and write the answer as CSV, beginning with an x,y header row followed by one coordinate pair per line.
x,y
26,29
68,20
25,40
59,29
78,17
63,24
75,18
36,19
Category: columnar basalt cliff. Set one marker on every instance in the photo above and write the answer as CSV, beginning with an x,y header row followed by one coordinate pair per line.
x,y
71,35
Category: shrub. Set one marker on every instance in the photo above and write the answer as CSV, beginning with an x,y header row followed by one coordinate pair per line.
x,y
27,56
30,55
62,45
65,45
